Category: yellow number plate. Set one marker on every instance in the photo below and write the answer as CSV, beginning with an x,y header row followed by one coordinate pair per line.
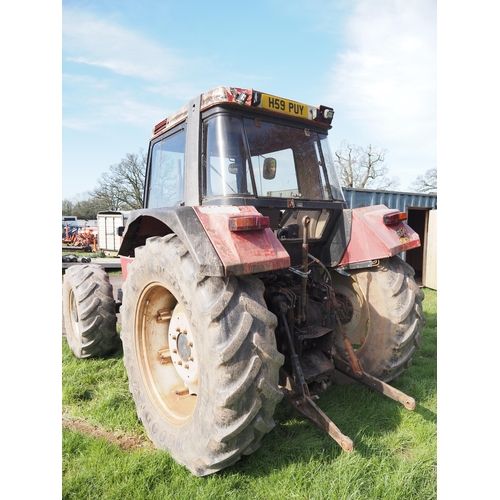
x,y
286,106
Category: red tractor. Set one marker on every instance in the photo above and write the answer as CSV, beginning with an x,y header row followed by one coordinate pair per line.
x,y
247,278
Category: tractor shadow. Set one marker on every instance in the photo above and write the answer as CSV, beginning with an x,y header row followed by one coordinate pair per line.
x,y
363,415
359,413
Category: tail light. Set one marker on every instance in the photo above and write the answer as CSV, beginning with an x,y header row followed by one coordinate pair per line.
x,y
248,222
395,218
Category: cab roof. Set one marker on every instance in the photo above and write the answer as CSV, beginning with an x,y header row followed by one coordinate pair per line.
x,y
253,98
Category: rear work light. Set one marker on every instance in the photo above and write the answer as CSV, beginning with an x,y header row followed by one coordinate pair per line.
x,y
325,114
394,218
248,222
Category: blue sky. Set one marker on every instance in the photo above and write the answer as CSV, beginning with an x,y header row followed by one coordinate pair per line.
x,y
126,65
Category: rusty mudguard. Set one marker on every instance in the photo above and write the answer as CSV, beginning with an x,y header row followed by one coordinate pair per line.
x,y
370,239
206,234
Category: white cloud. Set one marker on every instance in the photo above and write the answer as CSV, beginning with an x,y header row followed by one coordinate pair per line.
x,y
70,79
117,107
95,99
128,110
384,83
92,41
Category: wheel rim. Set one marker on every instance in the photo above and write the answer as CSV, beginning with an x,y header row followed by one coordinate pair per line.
x,y
75,320
167,354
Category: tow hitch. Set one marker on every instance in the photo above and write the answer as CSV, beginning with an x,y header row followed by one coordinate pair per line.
x,y
376,384
304,403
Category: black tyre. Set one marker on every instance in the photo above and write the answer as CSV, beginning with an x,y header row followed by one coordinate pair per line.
x,y
200,355
386,321
89,312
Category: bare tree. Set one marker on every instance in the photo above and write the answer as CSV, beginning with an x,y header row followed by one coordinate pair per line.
x,y
119,189
363,167
67,207
122,188
426,183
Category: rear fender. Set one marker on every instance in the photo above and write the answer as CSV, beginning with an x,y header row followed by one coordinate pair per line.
x,y
242,252
205,233
182,221
371,239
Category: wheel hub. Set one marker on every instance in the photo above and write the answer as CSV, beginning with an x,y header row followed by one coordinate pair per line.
x,y
345,309
182,349
352,312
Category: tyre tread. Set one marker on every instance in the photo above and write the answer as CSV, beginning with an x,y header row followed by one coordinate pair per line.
x,y
95,304
242,352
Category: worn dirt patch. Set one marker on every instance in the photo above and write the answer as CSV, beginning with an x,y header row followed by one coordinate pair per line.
x,y
123,441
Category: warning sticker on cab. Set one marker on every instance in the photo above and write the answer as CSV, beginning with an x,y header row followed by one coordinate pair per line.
x,y
286,106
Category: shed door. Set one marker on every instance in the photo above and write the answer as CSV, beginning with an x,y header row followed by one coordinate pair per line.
x,y
430,276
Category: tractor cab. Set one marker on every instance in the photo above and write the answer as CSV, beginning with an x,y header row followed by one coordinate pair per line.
x,y
255,149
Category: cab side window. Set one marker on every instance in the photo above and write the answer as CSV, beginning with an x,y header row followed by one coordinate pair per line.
x,y
166,178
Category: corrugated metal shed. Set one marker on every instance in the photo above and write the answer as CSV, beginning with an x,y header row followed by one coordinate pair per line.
x,y
398,200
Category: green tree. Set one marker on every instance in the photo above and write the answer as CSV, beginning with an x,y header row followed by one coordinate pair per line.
x,y
88,208
84,206
67,207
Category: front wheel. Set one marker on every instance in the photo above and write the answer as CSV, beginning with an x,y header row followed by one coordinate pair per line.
x,y
385,319
200,355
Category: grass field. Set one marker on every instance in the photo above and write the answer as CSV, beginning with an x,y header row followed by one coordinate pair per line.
x,y
106,454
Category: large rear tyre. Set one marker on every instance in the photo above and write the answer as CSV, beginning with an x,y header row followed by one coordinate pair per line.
x,y
200,355
89,312
386,320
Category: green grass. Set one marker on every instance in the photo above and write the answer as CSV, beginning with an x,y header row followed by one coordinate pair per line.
x,y
394,456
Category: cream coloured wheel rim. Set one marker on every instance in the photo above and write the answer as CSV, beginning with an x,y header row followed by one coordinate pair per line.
x,y
167,354
75,320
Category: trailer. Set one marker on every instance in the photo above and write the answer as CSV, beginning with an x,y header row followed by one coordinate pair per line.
x,y
108,223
